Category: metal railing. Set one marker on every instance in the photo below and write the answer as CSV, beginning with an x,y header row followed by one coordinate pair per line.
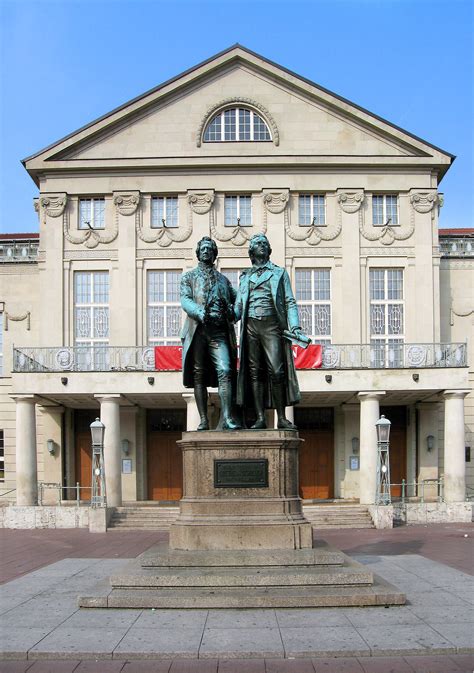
x,y
459,246
416,491
3,495
334,356
18,251
77,491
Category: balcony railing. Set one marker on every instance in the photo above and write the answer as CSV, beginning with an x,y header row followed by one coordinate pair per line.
x,y
142,358
18,251
462,246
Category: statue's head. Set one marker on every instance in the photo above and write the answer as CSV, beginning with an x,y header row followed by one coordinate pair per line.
x,y
259,247
206,243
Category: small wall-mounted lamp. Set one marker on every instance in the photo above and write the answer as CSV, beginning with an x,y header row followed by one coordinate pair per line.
x,y
51,446
328,378
151,380
64,380
415,377
355,445
126,446
430,442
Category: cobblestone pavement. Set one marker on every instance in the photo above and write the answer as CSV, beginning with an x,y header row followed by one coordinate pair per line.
x,y
42,630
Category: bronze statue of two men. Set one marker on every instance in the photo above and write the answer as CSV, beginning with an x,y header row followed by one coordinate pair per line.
x,y
267,309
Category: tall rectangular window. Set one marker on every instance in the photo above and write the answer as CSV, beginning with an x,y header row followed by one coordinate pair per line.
x,y
384,209
238,210
91,319
164,211
164,308
313,295
2,456
386,317
311,210
91,213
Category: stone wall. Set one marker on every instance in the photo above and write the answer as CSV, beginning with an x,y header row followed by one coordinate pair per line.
x,y
432,512
44,517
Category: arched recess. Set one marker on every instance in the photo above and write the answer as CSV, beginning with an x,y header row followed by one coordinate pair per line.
x,y
238,102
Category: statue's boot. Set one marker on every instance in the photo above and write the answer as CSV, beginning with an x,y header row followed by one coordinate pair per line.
x,y
279,400
257,390
225,394
200,394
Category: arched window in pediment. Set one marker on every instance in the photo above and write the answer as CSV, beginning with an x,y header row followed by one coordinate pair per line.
x,y
241,124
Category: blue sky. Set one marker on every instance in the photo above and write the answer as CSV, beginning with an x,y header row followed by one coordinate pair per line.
x,y
67,62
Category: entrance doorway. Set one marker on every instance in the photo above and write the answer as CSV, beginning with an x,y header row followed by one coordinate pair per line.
x,y
398,446
83,452
164,456
316,456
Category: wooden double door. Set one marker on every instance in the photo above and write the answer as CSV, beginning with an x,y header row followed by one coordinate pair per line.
x,y
316,455
316,470
164,466
398,447
164,456
83,452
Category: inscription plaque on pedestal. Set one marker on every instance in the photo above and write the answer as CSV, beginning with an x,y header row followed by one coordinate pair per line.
x,y
245,473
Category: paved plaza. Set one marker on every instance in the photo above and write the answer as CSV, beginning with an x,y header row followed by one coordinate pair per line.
x,y
43,630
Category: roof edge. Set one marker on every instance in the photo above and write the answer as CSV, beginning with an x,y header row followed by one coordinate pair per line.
x,y
274,64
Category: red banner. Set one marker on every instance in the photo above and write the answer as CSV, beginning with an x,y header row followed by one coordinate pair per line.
x,y
168,358
308,358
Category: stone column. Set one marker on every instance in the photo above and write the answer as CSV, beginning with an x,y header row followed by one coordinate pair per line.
x,y
110,417
454,446
26,465
192,415
369,415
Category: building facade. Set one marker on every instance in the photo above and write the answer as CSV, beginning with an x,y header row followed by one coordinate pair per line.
x,y
235,146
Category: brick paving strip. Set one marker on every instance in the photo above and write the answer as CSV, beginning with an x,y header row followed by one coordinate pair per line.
x,y
40,621
460,663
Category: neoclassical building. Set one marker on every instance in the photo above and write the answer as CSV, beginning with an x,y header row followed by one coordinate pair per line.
x,y
235,146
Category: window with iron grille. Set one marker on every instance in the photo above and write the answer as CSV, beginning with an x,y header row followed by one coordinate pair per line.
x,y
387,325
238,210
2,456
237,124
313,296
311,210
384,209
164,211
91,318
91,213
164,315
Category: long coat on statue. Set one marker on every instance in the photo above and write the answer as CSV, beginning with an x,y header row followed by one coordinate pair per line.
x,y
287,316
198,287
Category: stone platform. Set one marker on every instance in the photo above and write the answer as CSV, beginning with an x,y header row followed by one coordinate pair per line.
x,y
241,539
164,578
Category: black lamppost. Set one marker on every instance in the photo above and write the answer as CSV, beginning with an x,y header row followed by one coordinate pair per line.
x,y
98,498
383,496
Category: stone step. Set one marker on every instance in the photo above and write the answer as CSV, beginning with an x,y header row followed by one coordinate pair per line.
x,y
160,555
176,582
158,517
274,597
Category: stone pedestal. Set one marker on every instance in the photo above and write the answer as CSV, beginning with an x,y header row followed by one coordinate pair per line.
x,y
240,491
241,540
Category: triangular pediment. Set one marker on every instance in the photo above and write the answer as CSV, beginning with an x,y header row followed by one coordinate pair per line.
x,y
165,125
